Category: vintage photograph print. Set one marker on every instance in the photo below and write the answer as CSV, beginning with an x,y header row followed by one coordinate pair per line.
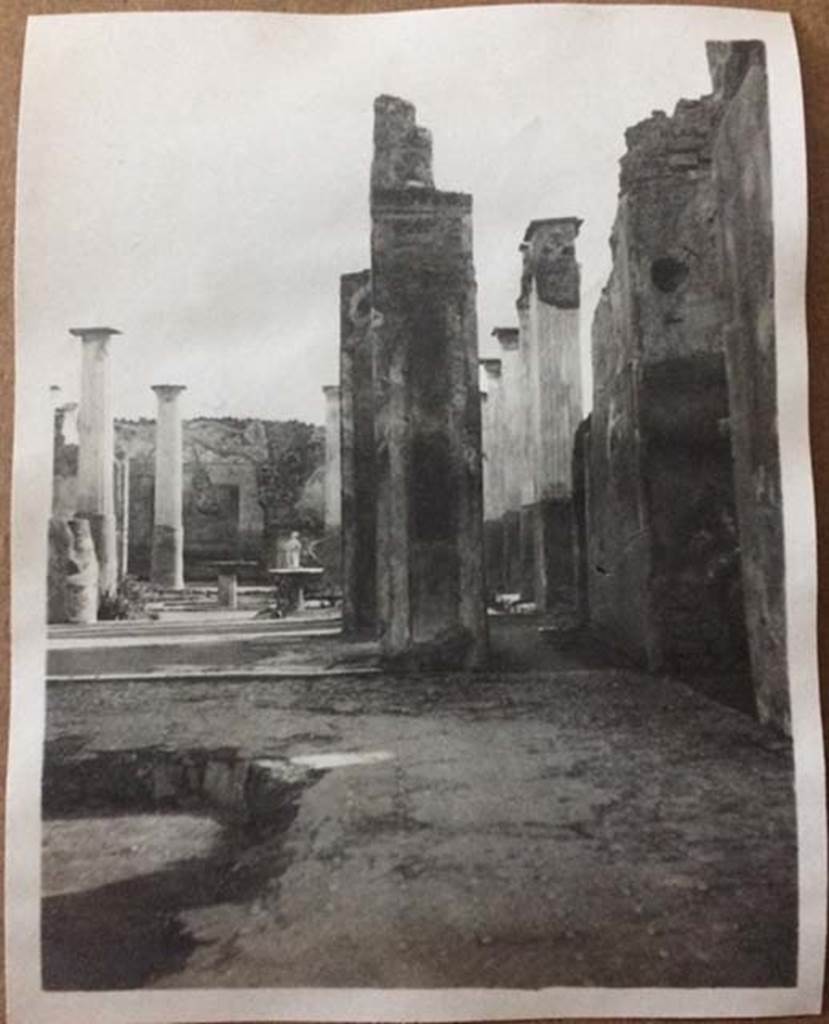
x,y
414,566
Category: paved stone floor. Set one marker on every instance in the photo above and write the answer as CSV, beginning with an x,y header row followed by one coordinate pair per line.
x,y
575,823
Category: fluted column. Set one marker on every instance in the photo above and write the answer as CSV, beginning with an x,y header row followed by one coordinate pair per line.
x,y
167,564
96,445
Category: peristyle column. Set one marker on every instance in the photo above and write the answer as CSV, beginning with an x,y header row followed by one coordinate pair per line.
x,y
333,474
122,511
96,440
167,565
512,420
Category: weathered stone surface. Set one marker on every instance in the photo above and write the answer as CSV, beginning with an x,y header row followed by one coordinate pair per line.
x,y
664,578
427,413
72,572
742,178
359,493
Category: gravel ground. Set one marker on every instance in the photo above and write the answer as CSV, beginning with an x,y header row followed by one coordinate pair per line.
x,y
576,825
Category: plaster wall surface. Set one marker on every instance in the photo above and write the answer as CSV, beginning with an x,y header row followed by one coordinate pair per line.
x,y
742,180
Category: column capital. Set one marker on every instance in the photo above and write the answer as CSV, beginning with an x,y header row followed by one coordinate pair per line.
x,y
168,392
93,333
492,367
507,337
565,227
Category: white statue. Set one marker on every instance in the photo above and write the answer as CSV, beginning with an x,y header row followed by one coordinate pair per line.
x,y
293,551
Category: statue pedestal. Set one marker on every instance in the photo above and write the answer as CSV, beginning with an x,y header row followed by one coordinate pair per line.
x,y
227,581
290,584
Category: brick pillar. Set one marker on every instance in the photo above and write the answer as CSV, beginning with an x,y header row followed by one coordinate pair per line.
x,y
96,449
428,425
359,487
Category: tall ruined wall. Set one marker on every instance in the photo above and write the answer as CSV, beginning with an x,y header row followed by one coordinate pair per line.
x,y
428,423
742,178
663,550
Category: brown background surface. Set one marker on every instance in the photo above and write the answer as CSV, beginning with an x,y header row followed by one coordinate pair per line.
x,y
811,21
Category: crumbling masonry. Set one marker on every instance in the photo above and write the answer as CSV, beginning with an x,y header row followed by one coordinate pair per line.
x,y
681,507
423,484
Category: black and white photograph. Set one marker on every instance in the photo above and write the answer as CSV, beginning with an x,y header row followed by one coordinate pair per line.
x,y
413,595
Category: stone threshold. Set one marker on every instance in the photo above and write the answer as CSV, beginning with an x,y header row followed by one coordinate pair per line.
x,y
197,675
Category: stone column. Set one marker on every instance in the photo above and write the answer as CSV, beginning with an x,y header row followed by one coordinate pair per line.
x,y
430,580
512,405
549,310
359,485
167,569
333,475
65,460
493,440
96,436
122,511
332,546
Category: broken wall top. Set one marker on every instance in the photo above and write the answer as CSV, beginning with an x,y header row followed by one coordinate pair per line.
x,y
729,63
402,149
549,262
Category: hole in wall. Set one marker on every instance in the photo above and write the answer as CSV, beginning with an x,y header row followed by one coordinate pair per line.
x,y
667,273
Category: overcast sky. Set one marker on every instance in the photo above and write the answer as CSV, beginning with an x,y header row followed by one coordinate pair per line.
x,y
201,181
